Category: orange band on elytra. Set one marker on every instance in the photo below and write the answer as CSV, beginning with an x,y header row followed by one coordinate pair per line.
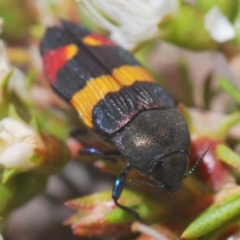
x,y
97,88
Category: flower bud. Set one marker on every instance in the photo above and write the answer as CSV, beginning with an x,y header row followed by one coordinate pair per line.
x,y
27,157
228,8
188,21
99,216
19,146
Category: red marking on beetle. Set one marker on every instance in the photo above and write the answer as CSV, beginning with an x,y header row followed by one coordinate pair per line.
x,y
97,40
55,59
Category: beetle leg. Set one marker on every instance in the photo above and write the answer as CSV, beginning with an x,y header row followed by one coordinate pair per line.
x,y
117,190
91,151
97,154
92,140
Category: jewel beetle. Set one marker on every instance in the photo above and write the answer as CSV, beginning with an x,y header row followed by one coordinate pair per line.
x,y
118,100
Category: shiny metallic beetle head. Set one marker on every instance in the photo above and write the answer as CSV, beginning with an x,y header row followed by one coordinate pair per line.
x,y
156,143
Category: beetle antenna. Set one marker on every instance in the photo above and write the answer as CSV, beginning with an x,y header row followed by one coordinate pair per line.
x,y
147,183
196,163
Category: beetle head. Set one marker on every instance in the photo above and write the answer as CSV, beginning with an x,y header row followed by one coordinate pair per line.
x,y
170,170
156,143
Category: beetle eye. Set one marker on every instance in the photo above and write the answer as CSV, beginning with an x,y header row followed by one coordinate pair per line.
x,y
169,171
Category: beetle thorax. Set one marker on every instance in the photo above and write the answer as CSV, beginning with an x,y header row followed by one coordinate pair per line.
x,y
155,143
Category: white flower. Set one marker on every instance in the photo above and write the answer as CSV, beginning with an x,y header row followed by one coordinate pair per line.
x,y
1,237
131,21
218,26
18,144
17,81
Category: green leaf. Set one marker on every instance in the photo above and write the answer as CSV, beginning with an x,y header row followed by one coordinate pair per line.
x,y
6,197
12,112
186,84
228,122
215,216
8,174
228,156
35,124
30,78
228,87
208,91
4,83
102,203
148,209
54,123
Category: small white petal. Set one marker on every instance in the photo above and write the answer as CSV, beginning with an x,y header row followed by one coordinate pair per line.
x,y
1,237
132,21
17,155
15,129
18,142
17,81
218,26
17,84
89,10
164,7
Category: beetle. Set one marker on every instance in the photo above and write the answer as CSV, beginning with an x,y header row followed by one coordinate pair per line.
x,y
118,100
